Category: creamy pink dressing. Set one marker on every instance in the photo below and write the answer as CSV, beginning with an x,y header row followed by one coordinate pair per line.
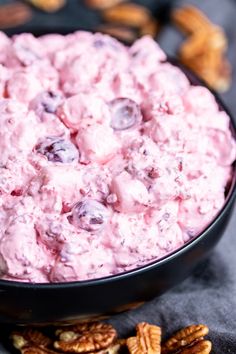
x,y
109,158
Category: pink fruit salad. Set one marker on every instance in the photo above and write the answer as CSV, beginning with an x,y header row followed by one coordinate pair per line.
x,y
109,157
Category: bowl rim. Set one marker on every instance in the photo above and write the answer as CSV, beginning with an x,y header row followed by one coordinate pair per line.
x,y
231,195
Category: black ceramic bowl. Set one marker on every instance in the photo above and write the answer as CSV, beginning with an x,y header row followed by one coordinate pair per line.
x,y
23,303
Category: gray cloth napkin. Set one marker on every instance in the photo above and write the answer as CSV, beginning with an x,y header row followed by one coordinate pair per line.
x,y
209,295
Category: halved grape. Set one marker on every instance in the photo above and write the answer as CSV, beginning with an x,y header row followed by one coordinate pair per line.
x,y
58,149
90,215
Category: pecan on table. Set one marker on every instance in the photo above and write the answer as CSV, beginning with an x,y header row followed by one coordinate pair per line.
x,y
85,337
188,340
147,340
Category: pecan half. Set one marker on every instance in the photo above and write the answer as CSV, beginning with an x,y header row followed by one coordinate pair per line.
x,y
185,338
102,4
48,5
30,337
147,340
85,337
14,14
129,14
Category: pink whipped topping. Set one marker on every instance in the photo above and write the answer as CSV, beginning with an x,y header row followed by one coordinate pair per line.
x,y
109,158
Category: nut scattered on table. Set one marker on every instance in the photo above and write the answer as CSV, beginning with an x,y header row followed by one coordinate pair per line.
x,y
48,5
85,337
147,340
186,338
204,49
14,14
101,338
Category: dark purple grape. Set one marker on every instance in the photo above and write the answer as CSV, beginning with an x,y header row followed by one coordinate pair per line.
x,y
90,215
99,43
57,149
50,101
125,113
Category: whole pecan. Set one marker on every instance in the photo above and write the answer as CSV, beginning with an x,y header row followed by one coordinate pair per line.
x,y
85,337
187,338
147,340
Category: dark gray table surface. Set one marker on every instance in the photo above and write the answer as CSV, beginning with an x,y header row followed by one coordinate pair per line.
x,y
209,295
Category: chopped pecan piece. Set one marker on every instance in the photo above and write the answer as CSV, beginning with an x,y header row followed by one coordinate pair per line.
x,y
185,338
30,337
129,14
85,337
147,341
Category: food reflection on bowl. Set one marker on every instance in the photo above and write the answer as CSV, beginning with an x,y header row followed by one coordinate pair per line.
x,y
114,168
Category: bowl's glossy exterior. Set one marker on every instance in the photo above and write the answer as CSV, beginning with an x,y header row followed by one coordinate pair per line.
x,y
22,303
